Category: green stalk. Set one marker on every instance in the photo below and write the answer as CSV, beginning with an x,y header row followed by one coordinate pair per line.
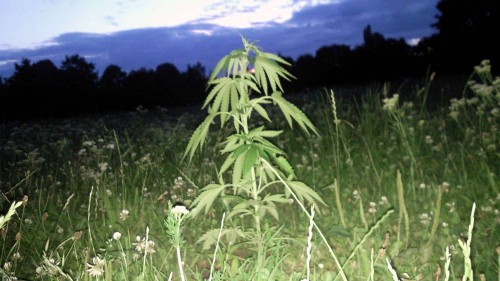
x,y
437,212
403,212
339,203
337,153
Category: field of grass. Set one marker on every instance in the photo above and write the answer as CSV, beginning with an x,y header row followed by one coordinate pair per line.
x,y
399,181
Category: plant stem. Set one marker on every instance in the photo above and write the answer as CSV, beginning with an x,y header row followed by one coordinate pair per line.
x,y
179,263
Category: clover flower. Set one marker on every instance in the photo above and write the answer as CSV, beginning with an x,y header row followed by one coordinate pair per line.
x,y
97,268
117,235
124,214
390,103
373,208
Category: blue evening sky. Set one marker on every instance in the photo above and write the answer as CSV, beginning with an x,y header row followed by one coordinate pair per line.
x,y
145,33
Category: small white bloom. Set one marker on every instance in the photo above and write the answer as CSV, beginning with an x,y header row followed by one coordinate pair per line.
x,y
390,103
424,219
149,247
7,266
117,235
40,271
96,269
124,214
180,210
373,208
384,200
16,256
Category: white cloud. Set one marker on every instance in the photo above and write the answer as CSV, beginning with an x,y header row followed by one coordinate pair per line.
x,y
6,62
251,13
413,41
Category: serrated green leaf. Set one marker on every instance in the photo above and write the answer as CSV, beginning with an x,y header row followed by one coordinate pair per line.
x,y
240,209
278,198
269,133
218,99
276,58
198,137
231,144
303,191
224,109
270,173
222,64
219,83
206,198
238,169
211,237
271,209
262,112
227,163
242,148
284,165
250,158
291,111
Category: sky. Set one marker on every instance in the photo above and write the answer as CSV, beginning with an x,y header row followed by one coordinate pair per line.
x,y
145,33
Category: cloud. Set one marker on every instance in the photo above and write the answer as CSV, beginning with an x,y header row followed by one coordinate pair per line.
x,y
393,18
304,32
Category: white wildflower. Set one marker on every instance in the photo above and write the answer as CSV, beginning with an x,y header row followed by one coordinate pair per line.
x,y
7,266
180,210
373,208
390,103
124,214
117,235
96,269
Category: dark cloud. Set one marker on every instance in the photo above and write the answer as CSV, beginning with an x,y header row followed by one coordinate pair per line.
x,y
305,32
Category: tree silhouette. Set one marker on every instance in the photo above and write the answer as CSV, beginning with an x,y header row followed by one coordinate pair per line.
x,y
3,86
195,81
33,88
333,64
467,34
380,58
141,89
305,71
169,81
79,84
111,88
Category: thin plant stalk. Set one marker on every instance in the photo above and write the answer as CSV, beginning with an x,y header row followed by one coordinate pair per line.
x,y
403,212
447,265
212,266
337,154
309,244
339,203
468,271
437,213
394,275
362,213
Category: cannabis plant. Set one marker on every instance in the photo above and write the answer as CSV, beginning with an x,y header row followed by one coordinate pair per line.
x,y
243,84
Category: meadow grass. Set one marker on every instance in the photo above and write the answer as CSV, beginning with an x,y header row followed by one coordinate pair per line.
x,y
400,182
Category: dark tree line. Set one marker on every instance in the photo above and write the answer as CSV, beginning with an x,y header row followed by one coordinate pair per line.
x,y
377,59
42,89
466,35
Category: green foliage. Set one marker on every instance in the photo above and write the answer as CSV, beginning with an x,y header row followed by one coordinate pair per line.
x,y
230,97
243,81
95,200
